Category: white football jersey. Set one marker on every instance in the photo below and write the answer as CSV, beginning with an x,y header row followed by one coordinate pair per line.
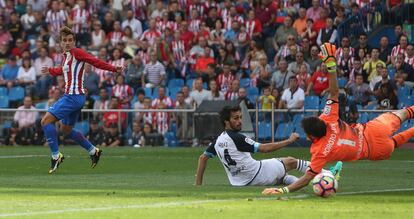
x,y
234,150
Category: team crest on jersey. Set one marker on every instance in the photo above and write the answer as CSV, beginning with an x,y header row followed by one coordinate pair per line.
x,y
329,102
249,141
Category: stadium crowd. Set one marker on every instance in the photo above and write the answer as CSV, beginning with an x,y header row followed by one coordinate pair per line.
x,y
180,53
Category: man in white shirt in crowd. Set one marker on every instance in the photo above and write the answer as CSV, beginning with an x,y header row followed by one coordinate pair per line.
x,y
199,94
293,97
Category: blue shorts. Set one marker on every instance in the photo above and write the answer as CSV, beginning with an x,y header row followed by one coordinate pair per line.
x,y
68,108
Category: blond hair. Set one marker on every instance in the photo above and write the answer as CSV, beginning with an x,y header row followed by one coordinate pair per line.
x,y
66,31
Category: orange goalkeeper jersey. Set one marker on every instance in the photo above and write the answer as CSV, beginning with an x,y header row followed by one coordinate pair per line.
x,y
341,142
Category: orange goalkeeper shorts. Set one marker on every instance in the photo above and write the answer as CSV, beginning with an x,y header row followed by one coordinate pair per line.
x,y
378,134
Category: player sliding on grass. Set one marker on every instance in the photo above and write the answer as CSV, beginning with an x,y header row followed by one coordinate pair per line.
x,y
234,150
68,107
334,140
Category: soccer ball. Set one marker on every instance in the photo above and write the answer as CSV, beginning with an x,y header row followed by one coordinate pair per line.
x,y
324,185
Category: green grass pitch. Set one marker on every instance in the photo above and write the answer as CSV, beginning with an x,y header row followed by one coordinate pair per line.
x,y
158,183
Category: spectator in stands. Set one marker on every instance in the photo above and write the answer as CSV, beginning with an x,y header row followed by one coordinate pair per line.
x,y
4,54
321,22
26,76
386,99
262,73
159,11
309,32
134,72
15,27
217,35
363,44
112,117
8,74
385,50
133,23
409,59
299,60
136,139
314,61
25,121
266,100
154,73
80,19
345,63
101,104
96,134
391,85
199,94
187,98
112,137
145,117
284,32
108,22
161,120
292,97
215,93
400,48
231,35
359,90
406,70
139,104
303,76
43,82
253,26
17,51
115,36
327,34
243,98
186,35
233,92
319,82
224,79
202,64
123,92
369,66
182,118
315,11
340,16
5,36
285,49
300,23
97,36
91,80
280,78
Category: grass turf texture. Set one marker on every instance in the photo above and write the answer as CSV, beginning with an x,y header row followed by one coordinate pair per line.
x,y
158,183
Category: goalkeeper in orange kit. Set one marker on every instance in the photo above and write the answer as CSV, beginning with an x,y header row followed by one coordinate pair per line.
x,y
335,140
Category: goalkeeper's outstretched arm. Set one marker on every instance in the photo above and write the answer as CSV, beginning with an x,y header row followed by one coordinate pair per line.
x,y
328,57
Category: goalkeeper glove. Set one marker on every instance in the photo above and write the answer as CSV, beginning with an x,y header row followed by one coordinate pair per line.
x,y
328,56
275,191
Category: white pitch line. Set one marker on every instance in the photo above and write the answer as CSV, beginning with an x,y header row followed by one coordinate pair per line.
x,y
22,156
183,203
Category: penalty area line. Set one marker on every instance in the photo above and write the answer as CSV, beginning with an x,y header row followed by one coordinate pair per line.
x,y
182,203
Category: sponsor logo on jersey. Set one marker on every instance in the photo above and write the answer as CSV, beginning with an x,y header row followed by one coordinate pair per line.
x,y
330,144
329,102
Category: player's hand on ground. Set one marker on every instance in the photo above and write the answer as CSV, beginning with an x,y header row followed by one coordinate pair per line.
x,y
293,137
45,70
272,191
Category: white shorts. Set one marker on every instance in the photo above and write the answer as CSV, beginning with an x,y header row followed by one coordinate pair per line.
x,y
271,173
